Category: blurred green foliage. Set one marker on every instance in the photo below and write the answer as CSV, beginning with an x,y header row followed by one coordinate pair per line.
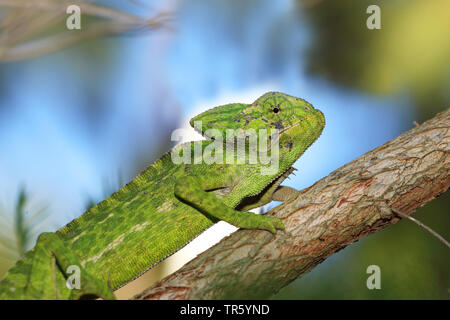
x,y
408,55
19,235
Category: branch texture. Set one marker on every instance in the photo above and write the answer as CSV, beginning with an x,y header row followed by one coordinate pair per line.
x,y
350,203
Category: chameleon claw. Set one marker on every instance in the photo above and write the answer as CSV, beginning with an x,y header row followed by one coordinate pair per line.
x,y
280,224
274,224
271,229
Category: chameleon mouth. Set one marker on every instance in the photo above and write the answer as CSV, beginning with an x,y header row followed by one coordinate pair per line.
x,y
316,117
295,124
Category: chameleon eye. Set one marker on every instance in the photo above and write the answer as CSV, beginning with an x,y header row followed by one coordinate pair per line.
x,y
306,108
276,110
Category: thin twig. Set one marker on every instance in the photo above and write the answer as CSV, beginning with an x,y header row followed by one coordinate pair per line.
x,y
420,224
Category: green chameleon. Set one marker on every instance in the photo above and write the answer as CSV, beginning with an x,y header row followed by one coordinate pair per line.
x,y
169,204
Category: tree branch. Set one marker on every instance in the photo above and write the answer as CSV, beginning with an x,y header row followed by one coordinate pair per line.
x,y
350,203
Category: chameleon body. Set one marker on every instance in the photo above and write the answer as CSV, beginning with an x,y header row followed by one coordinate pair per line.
x,y
169,204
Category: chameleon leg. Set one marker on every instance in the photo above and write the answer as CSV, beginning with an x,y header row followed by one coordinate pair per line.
x,y
51,266
284,193
276,193
192,191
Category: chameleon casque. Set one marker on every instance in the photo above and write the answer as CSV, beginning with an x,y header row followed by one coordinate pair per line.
x,y
167,205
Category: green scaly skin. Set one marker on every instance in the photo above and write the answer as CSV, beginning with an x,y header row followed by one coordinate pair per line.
x,y
168,205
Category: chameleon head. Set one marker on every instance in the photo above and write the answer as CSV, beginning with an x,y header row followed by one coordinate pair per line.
x,y
274,110
283,112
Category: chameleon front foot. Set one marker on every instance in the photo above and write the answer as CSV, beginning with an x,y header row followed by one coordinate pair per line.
x,y
271,224
249,220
